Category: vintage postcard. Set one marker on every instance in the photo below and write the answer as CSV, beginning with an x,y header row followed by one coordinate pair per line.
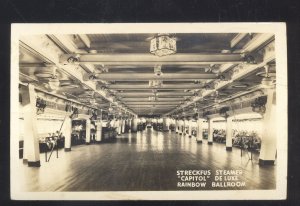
x,y
168,111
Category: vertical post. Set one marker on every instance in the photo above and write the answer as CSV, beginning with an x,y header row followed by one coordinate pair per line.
x,y
67,131
165,126
119,125
123,126
210,132
181,127
268,142
99,132
87,131
129,125
189,127
184,127
134,124
31,141
229,133
199,130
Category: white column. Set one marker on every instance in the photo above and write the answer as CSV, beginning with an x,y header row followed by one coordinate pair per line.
x,y
184,129
229,133
199,130
181,127
67,131
268,140
129,124
165,126
87,131
31,141
99,132
134,124
119,126
190,128
210,132
176,126
123,126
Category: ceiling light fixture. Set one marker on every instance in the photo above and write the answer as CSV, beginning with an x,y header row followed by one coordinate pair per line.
x,y
92,101
157,70
163,45
54,81
155,83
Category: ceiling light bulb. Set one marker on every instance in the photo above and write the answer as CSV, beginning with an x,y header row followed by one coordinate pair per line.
x,y
54,84
92,101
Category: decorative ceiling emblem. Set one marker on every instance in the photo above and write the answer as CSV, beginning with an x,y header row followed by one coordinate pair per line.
x,y
155,83
163,45
54,81
157,70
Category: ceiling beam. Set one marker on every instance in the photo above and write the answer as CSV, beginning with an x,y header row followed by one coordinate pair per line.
x,y
146,86
159,94
150,106
42,46
145,99
152,76
149,59
151,103
240,73
237,39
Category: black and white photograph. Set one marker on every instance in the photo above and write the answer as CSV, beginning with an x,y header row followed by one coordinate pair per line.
x,y
160,111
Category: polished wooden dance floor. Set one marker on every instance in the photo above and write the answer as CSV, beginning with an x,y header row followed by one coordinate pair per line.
x,y
145,160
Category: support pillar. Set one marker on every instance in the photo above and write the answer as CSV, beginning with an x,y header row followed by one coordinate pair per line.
x,y
119,125
184,129
176,126
180,127
129,125
210,132
67,131
199,130
165,126
87,131
189,123
99,132
229,133
268,142
123,126
134,125
31,141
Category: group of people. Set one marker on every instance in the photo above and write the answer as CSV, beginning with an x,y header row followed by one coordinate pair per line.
x,y
219,135
243,139
247,140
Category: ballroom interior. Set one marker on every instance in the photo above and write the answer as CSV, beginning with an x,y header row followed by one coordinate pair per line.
x,y
125,111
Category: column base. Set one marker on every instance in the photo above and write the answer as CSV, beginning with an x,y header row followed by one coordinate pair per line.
x,y
228,148
199,141
210,143
87,143
67,149
34,164
266,162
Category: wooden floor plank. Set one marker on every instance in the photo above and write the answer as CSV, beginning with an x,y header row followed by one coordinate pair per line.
x,y
145,161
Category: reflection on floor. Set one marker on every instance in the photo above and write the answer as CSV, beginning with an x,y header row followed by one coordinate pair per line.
x,y
145,160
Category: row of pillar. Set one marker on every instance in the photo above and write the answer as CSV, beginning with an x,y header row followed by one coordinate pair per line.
x,y
31,151
268,145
